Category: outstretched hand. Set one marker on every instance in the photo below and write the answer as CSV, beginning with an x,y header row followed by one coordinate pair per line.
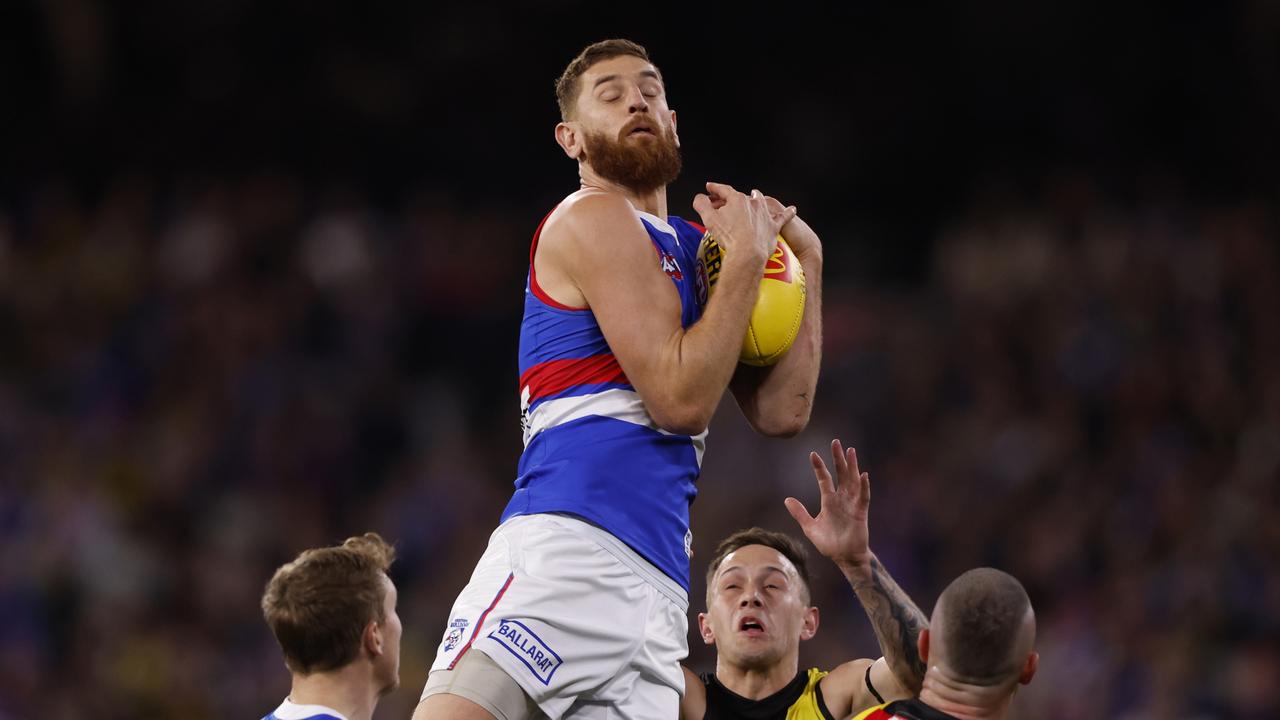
x,y
839,531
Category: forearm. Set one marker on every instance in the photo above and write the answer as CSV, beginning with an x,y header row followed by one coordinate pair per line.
x,y
777,400
698,362
896,619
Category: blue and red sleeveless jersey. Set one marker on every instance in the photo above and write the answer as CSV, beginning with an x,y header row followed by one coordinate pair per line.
x,y
590,447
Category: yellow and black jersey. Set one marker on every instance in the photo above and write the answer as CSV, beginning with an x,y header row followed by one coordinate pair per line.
x,y
903,710
801,699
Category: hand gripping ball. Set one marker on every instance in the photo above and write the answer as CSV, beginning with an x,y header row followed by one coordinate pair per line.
x,y
775,319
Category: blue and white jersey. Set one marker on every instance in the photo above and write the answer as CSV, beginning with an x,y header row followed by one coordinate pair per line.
x,y
591,448
290,710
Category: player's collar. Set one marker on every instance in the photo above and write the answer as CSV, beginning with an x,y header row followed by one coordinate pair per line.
x,y
657,222
290,710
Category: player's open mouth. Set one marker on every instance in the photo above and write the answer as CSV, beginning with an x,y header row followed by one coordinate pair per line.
x,y
645,129
751,626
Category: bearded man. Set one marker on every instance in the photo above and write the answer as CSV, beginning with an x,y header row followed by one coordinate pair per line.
x,y
578,606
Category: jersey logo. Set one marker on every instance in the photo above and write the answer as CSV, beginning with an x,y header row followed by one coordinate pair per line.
x,y
528,648
670,266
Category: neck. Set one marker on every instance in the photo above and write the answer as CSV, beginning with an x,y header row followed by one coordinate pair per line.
x,y
964,700
350,690
757,683
653,202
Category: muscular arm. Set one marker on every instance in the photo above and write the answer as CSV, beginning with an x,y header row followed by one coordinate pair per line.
x,y
598,249
896,620
777,400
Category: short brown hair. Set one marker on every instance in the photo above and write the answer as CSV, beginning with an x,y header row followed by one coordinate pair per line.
x,y
567,85
319,605
783,543
982,612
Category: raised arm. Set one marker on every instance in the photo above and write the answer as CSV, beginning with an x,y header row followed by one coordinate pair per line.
x,y
777,400
596,252
840,533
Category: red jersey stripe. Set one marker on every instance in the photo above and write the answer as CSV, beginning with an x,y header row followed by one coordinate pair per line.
x,y
553,376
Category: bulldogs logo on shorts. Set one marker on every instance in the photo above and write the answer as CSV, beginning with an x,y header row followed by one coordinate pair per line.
x,y
454,634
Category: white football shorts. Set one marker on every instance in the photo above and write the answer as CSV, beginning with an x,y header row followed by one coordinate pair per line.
x,y
583,624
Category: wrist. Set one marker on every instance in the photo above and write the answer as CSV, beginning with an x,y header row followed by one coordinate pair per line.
x,y
857,569
744,263
809,257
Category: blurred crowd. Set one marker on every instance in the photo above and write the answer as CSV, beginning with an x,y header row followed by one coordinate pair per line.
x,y
200,379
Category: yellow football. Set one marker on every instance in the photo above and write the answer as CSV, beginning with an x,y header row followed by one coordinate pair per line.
x,y
775,320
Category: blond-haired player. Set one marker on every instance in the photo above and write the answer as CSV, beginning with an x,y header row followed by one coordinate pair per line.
x,y
333,611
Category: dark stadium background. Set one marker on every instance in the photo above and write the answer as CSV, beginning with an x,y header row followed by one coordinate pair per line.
x,y
260,281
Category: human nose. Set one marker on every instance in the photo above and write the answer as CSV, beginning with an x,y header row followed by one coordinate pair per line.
x,y
636,101
750,598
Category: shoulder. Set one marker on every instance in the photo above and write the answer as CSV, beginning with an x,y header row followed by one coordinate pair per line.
x,y
693,705
847,676
591,212
843,685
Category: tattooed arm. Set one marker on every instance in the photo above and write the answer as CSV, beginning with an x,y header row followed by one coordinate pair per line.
x,y
840,533
896,619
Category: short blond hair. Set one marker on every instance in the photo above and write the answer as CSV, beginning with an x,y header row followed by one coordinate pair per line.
x,y
319,604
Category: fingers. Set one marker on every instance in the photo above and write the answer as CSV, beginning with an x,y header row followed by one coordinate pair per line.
x,y
864,491
705,207
779,212
839,461
722,189
800,513
721,194
781,219
825,484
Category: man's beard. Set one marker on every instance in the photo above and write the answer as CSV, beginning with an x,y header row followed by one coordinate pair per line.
x,y
641,166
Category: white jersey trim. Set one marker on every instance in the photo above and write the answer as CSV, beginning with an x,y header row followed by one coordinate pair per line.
x,y
618,404
289,710
660,224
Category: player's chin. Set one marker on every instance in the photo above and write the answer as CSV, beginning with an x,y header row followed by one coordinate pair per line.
x,y
756,656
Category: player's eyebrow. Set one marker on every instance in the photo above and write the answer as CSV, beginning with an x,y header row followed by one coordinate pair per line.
x,y
614,76
767,568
